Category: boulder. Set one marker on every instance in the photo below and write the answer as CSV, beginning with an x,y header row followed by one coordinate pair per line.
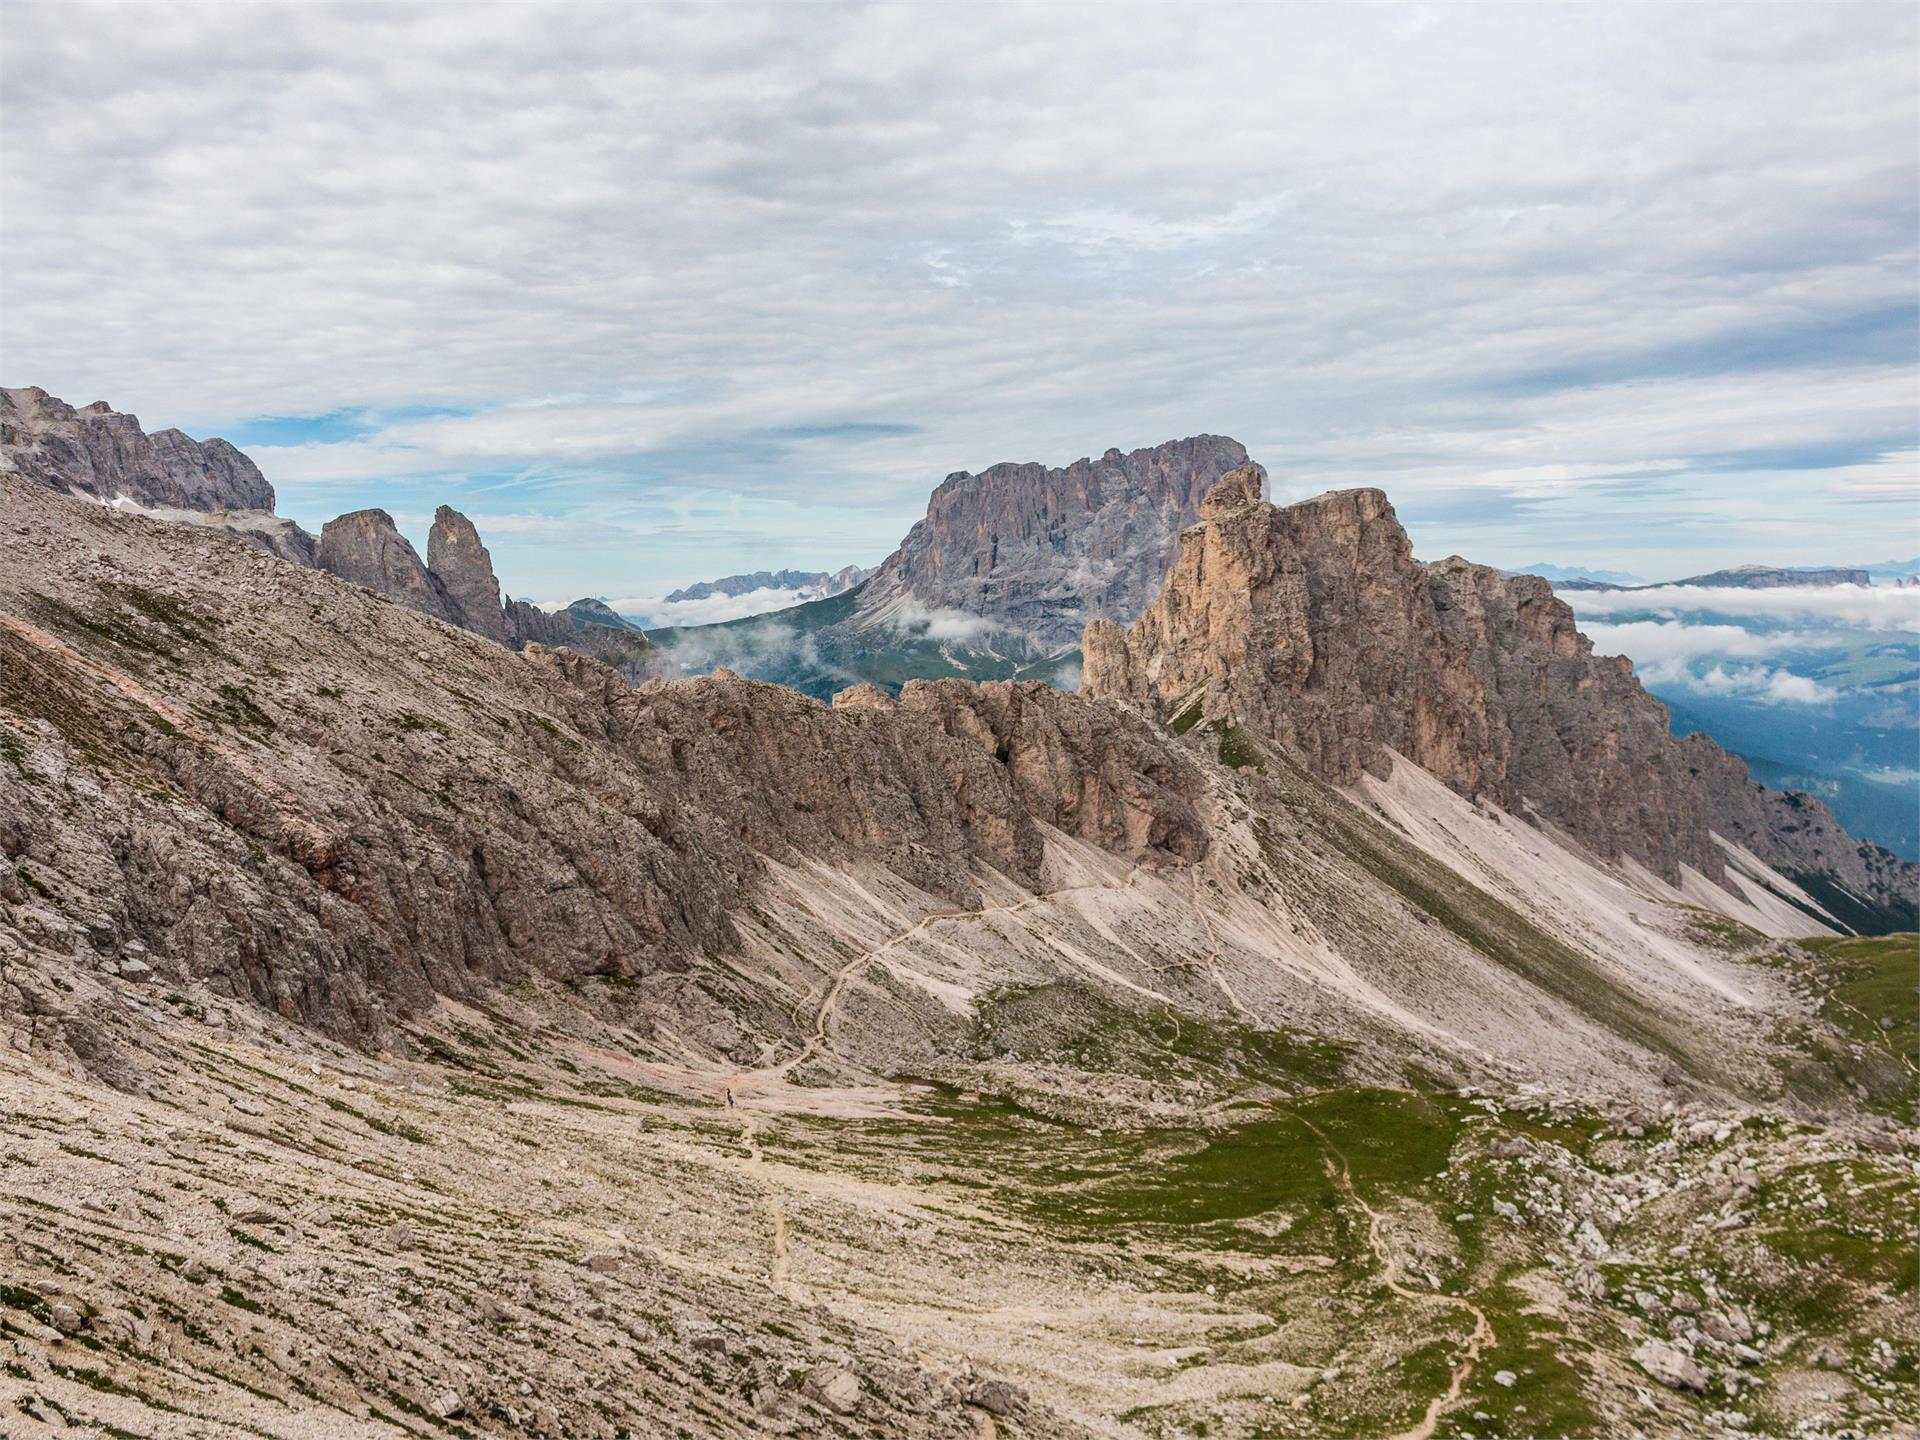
x,y
1671,1366
834,1387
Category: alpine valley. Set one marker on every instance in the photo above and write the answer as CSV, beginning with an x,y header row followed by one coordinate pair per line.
x,y
1351,1011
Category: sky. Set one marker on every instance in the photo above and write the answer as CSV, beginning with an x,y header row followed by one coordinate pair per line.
x,y
661,294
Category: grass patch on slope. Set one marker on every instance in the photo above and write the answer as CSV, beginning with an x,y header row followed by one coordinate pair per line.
x,y
1869,990
1067,1022
1873,988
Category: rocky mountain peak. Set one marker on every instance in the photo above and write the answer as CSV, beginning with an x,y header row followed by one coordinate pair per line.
x,y
864,696
1041,550
464,569
364,546
1233,490
99,452
1313,624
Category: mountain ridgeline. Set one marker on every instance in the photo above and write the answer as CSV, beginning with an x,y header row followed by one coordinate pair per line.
x,y
101,454
1739,577
1311,625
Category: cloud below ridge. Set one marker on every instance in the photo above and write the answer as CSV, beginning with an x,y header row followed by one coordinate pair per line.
x,y
1867,607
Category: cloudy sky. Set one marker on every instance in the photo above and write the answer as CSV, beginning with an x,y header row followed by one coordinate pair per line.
x,y
660,294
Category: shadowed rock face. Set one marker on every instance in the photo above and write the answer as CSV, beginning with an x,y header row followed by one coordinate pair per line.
x,y
1043,550
465,571
363,546
97,451
1314,625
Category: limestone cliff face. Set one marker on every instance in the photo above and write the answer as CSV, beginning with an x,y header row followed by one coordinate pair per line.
x,y
1044,550
97,451
464,569
1314,624
364,546
1093,771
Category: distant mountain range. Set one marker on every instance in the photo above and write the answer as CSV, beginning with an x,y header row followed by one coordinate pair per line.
x,y
1739,577
806,584
1557,573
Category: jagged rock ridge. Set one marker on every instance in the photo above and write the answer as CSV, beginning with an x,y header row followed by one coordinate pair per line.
x,y
1041,551
465,571
365,547
1313,624
102,454
97,451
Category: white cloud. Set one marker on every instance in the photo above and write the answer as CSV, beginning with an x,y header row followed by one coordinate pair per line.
x,y
655,611
936,622
1871,607
1769,686
1512,258
1662,651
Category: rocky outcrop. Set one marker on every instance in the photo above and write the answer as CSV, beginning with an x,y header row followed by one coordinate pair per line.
x,y
99,452
461,564
864,696
1041,551
364,546
1093,771
212,473
1314,625
587,625
1798,835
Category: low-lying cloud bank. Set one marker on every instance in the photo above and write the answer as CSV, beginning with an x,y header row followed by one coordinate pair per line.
x,y
1671,644
656,612
1876,607
1768,685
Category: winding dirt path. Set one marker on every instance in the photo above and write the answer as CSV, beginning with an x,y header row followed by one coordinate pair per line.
x,y
817,1040
773,1201
1391,1272
1213,938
